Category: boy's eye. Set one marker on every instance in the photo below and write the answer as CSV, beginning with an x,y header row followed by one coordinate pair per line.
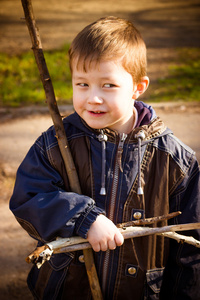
x,y
109,85
82,84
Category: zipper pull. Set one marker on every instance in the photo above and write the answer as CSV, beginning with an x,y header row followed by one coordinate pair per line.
x,y
122,138
103,139
140,136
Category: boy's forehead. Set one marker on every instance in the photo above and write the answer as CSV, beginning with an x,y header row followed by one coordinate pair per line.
x,y
104,70
82,64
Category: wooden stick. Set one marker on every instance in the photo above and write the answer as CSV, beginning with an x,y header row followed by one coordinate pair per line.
x,y
63,242
66,242
149,220
180,238
60,132
77,243
130,232
50,96
173,235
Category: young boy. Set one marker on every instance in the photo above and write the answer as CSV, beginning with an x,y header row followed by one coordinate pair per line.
x,y
130,166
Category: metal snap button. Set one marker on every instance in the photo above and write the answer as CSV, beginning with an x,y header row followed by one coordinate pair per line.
x,y
132,270
81,258
137,215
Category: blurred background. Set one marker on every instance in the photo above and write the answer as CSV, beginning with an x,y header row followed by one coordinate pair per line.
x,y
171,30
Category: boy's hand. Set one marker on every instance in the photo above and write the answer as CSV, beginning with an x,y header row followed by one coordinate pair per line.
x,y
103,235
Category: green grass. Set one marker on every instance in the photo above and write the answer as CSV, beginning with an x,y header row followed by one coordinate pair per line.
x,y
20,80
182,82
20,83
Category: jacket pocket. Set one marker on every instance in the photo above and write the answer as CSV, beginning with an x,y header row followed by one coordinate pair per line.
x,y
154,279
60,261
45,283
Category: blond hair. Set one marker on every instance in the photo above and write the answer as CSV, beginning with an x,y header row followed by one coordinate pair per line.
x,y
110,38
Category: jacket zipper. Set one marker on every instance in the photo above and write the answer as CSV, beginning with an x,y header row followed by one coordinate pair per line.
x,y
118,167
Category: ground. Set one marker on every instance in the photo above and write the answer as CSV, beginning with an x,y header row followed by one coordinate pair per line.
x,y
165,25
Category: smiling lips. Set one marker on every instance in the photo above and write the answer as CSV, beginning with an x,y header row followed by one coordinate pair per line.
x,y
96,112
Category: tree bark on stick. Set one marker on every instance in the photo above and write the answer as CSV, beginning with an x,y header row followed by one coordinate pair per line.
x,y
60,132
41,254
66,242
149,221
50,96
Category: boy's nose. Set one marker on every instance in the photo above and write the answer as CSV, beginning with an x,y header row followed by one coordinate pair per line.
x,y
94,99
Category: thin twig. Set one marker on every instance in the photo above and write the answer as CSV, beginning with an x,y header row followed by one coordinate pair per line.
x,y
180,238
149,221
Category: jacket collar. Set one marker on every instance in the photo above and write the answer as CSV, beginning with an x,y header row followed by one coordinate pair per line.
x,y
148,122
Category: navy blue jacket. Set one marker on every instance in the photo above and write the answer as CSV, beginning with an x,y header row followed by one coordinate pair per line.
x,y
143,268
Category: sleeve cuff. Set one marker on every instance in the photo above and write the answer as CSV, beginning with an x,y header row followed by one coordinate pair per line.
x,y
86,219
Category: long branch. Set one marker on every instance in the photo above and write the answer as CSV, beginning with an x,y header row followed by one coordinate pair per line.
x,y
50,96
78,243
60,132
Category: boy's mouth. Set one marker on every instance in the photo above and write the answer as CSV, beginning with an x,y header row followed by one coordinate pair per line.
x,y
96,112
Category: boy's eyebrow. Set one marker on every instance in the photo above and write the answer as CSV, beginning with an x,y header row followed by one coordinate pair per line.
x,y
102,78
78,77
81,78
108,77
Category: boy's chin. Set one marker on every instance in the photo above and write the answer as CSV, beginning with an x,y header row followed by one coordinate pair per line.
x,y
92,126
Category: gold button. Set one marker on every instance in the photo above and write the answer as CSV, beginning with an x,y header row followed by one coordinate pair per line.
x,y
137,215
131,270
81,258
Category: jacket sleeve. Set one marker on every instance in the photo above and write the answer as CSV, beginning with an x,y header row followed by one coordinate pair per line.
x,y
182,273
42,206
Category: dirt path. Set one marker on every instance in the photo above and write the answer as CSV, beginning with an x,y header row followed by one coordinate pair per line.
x,y
164,25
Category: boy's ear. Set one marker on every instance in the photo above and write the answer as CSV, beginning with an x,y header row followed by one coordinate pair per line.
x,y
141,87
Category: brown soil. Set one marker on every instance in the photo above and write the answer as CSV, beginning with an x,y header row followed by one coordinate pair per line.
x,y
165,25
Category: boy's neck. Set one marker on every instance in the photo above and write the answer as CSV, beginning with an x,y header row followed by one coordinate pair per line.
x,y
131,124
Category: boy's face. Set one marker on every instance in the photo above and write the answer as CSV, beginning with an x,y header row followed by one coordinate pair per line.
x,y
104,96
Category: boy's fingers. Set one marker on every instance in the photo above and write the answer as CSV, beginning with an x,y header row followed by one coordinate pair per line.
x,y
109,244
104,246
119,239
96,247
112,245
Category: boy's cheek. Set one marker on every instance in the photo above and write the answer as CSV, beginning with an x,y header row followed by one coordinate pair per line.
x,y
76,100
